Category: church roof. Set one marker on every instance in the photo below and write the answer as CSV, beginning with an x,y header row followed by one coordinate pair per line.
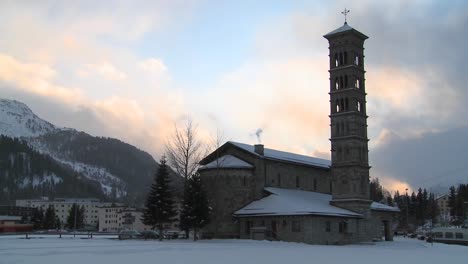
x,y
227,162
345,28
293,202
285,156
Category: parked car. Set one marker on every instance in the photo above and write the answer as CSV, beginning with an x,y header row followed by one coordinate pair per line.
x,y
171,234
130,234
182,235
150,234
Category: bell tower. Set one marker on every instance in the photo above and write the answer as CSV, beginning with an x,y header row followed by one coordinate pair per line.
x,y
348,119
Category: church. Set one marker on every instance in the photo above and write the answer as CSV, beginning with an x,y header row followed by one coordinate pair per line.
x,y
262,193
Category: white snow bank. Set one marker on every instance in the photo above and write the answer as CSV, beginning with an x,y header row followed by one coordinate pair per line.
x,y
78,251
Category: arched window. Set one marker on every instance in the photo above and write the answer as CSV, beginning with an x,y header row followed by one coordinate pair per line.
x,y
341,58
359,106
346,58
341,82
342,105
336,60
337,84
337,106
356,60
346,81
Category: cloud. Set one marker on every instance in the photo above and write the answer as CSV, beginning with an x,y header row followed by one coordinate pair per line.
x,y
104,69
431,159
153,66
137,122
35,78
284,97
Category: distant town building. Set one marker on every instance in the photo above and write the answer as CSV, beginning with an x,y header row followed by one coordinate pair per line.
x,y
118,218
16,210
62,207
444,208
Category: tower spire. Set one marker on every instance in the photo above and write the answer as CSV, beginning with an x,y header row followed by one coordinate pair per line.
x,y
345,13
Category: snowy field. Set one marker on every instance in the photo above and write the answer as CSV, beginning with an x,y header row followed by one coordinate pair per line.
x,y
104,250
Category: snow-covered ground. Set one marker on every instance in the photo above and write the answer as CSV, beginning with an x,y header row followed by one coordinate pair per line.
x,y
104,250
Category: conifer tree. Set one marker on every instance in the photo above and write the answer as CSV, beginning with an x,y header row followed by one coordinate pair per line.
x,y
433,208
79,217
58,224
49,218
159,205
37,218
196,209
185,219
376,190
452,201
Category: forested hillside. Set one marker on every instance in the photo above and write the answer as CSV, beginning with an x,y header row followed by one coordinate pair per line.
x,y
26,173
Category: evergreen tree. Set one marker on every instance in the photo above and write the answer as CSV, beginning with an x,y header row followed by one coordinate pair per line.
x,y
49,218
196,210
452,200
185,220
58,224
75,209
159,205
376,190
37,218
433,208
390,201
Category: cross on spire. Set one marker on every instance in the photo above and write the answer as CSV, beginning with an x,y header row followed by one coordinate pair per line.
x,y
345,13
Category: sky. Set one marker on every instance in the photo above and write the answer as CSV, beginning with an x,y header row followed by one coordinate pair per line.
x,y
134,69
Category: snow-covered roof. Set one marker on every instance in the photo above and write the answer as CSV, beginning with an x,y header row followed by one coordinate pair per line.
x,y
293,202
227,161
383,207
343,28
285,156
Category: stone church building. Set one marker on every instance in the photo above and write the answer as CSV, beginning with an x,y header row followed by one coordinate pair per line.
x,y
262,193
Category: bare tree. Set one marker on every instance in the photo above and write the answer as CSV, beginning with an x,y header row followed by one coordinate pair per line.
x,y
215,143
184,149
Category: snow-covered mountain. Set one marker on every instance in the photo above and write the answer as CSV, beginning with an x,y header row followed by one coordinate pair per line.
x,y
17,120
121,171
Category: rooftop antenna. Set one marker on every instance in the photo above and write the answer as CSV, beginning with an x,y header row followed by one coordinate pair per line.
x,y
345,13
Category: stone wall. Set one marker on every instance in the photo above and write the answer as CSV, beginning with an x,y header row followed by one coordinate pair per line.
x,y
311,229
228,191
296,176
